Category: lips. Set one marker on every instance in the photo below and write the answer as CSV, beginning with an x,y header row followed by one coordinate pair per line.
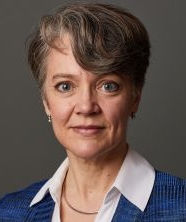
x,y
88,130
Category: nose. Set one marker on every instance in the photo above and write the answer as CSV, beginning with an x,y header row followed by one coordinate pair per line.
x,y
87,103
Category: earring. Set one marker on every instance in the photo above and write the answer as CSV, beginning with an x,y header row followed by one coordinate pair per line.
x,y
133,115
49,118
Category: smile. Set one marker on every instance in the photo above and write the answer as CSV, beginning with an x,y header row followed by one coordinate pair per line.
x,y
89,130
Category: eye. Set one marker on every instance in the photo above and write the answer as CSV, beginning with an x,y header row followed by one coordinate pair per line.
x,y
110,86
64,86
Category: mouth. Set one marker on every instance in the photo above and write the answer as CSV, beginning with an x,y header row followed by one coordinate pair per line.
x,y
88,130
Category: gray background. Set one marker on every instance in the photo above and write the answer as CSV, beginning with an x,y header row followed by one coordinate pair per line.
x,y
28,149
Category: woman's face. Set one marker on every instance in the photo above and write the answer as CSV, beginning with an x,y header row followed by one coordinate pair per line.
x,y
89,112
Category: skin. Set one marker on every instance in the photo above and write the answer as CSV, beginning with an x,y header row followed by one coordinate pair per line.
x,y
89,117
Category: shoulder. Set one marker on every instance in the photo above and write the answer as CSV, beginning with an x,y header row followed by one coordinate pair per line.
x,y
168,198
166,179
169,188
18,202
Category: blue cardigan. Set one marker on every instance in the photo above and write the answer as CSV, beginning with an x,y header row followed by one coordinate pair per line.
x,y
167,203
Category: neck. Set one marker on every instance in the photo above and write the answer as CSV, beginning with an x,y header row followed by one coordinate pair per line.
x,y
90,179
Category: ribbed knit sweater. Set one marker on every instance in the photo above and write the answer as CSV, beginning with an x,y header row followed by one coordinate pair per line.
x,y
167,203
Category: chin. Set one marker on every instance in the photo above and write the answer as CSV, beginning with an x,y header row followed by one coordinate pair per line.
x,y
86,153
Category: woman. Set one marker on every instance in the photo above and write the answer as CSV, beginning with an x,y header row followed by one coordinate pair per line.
x,y
90,61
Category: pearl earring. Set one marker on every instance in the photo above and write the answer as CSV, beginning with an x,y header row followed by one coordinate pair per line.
x,y
49,118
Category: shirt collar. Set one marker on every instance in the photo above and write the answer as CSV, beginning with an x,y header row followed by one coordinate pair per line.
x,y
53,185
135,181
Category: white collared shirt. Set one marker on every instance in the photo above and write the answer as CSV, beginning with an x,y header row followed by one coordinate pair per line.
x,y
135,181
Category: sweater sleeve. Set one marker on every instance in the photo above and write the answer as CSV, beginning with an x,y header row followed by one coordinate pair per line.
x,y
14,206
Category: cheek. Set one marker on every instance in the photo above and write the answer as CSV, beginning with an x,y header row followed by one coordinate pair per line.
x,y
117,113
60,111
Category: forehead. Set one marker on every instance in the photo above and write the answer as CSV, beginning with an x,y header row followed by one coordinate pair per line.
x,y
60,57
61,60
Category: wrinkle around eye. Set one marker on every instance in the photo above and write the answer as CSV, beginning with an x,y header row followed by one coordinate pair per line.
x,y
64,87
110,87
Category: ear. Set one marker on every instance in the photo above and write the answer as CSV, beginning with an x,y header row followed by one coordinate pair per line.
x,y
46,107
136,99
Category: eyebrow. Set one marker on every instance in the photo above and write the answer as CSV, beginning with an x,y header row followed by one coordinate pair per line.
x,y
63,75
74,77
